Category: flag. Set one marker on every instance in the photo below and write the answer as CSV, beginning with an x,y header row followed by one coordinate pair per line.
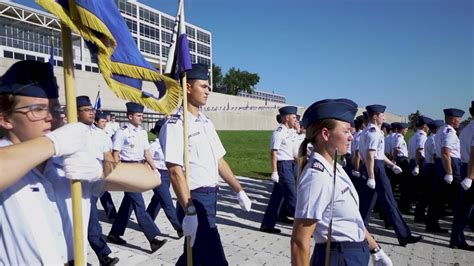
x,y
51,53
179,58
120,62
98,102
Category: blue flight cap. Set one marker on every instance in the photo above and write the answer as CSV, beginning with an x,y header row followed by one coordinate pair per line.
x,y
385,125
83,101
199,71
30,78
339,109
100,115
134,107
278,118
423,120
402,125
365,115
395,125
435,124
375,108
288,110
453,112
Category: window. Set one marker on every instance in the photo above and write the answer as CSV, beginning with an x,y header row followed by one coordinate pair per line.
x,y
30,57
132,25
167,23
192,46
88,68
165,51
127,8
149,32
202,60
166,37
78,66
95,69
203,37
203,49
149,16
7,54
190,32
149,47
19,56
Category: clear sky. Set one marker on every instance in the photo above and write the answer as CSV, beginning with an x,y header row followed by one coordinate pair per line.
x,y
406,54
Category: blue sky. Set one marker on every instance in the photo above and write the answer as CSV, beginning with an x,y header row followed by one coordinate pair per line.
x,y
406,54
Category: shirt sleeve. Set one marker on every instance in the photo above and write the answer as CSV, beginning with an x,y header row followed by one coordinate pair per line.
x,y
313,195
277,139
398,141
219,148
171,140
449,141
420,141
372,140
118,140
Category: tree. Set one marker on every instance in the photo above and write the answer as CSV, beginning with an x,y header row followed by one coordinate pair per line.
x,y
236,80
413,118
217,78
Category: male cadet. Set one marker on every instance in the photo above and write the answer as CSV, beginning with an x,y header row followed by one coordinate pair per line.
x,y
100,121
372,151
400,156
130,145
100,147
198,200
462,196
389,133
112,126
467,158
284,169
359,126
416,155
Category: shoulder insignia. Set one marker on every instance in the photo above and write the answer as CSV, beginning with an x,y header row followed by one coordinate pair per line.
x,y
173,119
317,165
278,129
372,129
448,130
399,136
124,127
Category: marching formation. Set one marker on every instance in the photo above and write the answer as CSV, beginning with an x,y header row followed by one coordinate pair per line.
x,y
331,170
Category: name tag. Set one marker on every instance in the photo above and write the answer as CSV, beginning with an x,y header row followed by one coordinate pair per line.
x,y
345,190
194,134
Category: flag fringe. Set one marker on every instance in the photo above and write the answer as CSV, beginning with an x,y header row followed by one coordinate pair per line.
x,y
106,45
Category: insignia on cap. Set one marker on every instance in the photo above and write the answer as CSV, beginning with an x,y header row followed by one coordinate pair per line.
x,y
318,166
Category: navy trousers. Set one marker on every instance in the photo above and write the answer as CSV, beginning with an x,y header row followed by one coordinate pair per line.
x,y
423,185
134,201
94,234
406,184
284,189
342,254
108,205
162,199
383,192
207,249
462,205
441,194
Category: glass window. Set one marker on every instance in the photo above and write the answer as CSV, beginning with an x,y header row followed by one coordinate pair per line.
x,y
167,23
203,37
19,56
149,47
202,60
165,51
30,57
95,69
166,37
132,25
78,66
192,46
88,68
7,54
149,32
203,49
191,32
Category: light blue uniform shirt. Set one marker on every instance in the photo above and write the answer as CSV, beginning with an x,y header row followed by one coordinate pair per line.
x,y
314,198
430,148
283,141
417,141
467,141
157,154
400,145
132,142
446,138
52,191
372,138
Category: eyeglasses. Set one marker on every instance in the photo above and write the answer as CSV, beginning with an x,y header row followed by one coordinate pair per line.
x,y
87,110
37,112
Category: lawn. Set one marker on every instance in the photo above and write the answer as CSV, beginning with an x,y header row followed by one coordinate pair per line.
x,y
248,152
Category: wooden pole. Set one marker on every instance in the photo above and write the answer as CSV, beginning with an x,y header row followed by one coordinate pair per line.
x,y
71,111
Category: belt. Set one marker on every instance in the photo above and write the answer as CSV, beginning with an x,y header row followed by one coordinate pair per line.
x,y
125,161
206,189
343,245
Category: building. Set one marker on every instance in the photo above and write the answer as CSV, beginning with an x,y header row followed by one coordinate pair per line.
x,y
263,95
27,33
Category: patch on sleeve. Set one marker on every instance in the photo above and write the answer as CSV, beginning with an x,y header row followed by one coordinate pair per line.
x,y
318,166
448,130
173,119
278,129
372,129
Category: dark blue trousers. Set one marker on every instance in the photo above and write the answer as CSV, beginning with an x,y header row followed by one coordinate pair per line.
x,y
207,249
94,234
441,193
342,254
423,188
383,192
162,199
462,206
284,189
406,184
134,201
108,205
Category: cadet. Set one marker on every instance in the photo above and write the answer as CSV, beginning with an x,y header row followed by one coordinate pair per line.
x,y
389,133
400,156
416,155
161,194
467,159
372,151
359,126
283,169
111,126
130,145
100,147
198,200
35,188
328,129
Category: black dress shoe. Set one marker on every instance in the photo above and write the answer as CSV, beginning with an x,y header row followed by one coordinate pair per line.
x,y
107,261
270,230
285,220
116,240
436,229
464,246
156,244
409,240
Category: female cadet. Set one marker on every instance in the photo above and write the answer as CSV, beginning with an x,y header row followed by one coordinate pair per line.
x,y
36,165
327,124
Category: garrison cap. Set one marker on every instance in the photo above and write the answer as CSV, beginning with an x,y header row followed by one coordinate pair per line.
x,y
288,110
402,125
134,107
375,108
395,125
278,118
365,115
199,71
423,120
453,112
339,109
100,115
435,124
83,101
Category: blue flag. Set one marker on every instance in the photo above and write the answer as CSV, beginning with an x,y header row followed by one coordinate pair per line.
x,y
98,102
179,58
51,53
121,63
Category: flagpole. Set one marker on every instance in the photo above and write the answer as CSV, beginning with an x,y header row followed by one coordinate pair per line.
x,y
71,112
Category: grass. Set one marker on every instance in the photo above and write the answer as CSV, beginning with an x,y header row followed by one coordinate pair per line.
x,y
248,152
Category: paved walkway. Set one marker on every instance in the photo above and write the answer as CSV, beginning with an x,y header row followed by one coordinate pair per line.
x,y
244,244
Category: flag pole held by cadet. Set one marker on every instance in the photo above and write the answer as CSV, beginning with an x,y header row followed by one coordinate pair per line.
x,y
328,243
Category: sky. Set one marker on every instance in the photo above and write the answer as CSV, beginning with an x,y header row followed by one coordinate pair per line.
x,y
407,54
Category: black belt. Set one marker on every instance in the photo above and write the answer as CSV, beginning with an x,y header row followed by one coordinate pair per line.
x,y
206,189
140,161
343,245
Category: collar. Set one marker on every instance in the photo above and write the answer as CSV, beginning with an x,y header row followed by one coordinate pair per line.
x,y
324,162
421,131
199,118
132,127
